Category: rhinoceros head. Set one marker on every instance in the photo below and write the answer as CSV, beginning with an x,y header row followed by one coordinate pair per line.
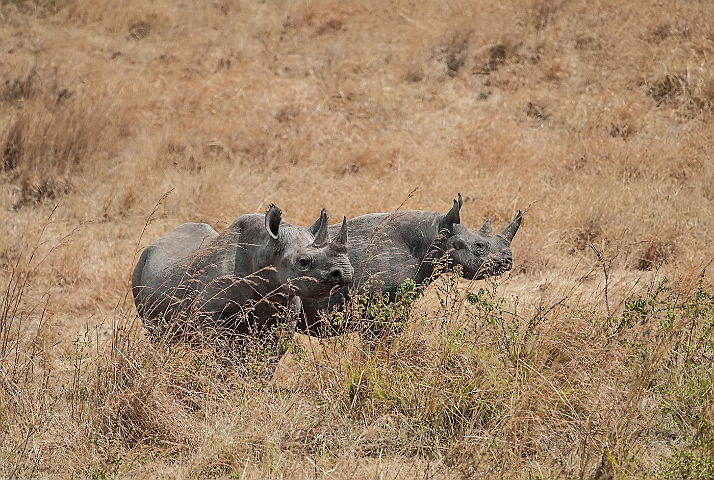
x,y
481,253
306,258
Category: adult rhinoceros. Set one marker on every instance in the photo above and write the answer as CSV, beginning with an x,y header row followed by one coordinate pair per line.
x,y
244,282
387,248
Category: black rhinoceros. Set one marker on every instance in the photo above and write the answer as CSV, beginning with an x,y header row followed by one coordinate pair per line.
x,y
387,248
245,282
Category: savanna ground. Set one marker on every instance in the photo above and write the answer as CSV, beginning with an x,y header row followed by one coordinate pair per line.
x,y
592,359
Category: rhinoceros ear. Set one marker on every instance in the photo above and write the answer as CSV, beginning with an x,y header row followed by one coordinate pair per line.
x,y
486,229
452,217
272,221
315,227
510,231
322,236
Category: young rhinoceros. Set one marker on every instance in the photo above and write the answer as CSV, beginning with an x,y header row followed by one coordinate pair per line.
x,y
387,248
194,281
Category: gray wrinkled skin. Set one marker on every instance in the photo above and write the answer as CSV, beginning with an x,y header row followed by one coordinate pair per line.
x,y
390,247
195,280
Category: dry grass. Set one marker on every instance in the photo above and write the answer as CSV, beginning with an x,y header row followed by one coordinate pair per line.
x,y
595,118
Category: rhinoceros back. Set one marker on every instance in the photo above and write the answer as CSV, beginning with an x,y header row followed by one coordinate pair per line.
x,y
153,282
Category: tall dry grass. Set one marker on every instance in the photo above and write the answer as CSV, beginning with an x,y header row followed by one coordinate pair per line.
x,y
595,118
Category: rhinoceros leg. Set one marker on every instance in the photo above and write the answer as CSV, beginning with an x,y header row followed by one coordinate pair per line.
x,y
255,347
294,312
279,337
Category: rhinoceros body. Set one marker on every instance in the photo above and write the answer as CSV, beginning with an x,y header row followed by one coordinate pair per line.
x,y
387,248
241,282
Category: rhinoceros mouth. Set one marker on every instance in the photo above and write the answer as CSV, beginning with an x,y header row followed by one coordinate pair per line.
x,y
493,267
334,284
319,287
501,268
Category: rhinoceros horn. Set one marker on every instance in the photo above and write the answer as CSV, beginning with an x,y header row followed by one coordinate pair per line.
x,y
272,221
510,231
322,236
486,229
340,241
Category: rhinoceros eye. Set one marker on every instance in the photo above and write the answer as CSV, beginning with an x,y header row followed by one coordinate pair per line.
x,y
304,263
479,246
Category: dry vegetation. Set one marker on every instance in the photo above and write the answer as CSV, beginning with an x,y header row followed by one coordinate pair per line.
x,y
594,117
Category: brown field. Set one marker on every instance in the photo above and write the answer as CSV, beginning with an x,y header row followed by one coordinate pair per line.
x,y
122,120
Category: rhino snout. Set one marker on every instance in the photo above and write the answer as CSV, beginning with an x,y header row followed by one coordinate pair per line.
x,y
336,276
503,263
490,266
340,275
507,263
